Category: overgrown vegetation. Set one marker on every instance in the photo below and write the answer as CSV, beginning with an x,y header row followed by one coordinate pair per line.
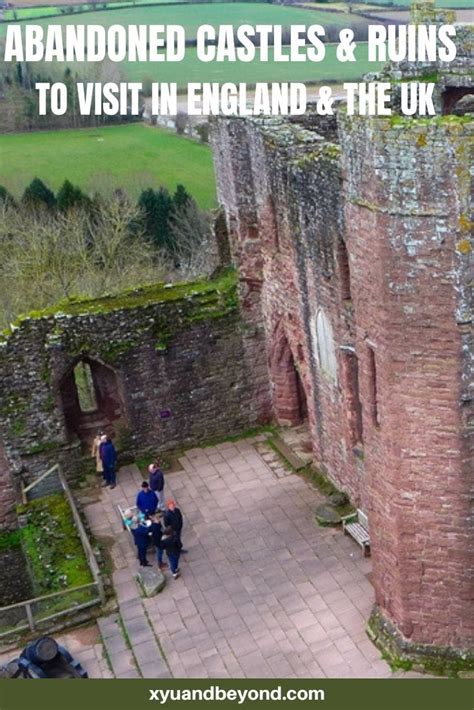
x,y
52,545
9,539
55,247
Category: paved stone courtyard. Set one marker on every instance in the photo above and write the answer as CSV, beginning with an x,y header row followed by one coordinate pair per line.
x,y
264,592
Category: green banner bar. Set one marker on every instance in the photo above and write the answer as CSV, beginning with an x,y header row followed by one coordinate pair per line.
x,y
404,694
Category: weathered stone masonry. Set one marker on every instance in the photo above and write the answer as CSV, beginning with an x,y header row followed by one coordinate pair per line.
x,y
353,250
172,366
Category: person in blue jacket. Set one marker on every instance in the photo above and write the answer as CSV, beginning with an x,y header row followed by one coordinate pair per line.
x,y
147,500
140,536
108,457
157,483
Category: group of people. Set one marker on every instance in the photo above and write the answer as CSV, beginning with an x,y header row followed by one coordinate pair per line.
x,y
156,522
105,456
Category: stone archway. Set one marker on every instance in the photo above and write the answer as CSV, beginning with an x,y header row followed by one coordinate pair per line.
x,y
90,399
289,396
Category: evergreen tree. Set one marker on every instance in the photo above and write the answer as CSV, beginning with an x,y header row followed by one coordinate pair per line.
x,y
6,197
70,196
181,198
164,208
147,203
38,194
157,208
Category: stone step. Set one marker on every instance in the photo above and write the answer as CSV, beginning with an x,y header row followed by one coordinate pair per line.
x,y
142,639
121,658
295,461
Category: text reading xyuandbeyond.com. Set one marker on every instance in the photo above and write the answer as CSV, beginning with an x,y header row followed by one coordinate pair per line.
x,y
238,695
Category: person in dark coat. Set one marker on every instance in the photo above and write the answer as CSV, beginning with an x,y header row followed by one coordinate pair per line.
x,y
157,483
147,501
156,532
174,519
140,537
108,456
172,545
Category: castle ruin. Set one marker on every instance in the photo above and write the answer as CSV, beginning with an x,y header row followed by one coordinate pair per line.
x,y
351,238
353,312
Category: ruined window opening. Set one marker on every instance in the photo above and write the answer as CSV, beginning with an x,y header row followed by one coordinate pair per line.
x,y
85,387
351,391
344,271
458,100
373,391
289,395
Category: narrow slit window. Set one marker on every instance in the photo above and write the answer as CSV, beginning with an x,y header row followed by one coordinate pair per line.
x,y
344,271
354,407
373,386
85,387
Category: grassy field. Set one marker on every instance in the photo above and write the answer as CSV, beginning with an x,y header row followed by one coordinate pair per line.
x,y
387,4
30,12
191,16
190,70
133,156
60,9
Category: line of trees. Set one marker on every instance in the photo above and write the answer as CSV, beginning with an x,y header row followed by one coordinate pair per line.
x,y
159,209
58,245
19,99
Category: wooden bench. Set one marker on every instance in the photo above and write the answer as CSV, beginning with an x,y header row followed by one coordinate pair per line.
x,y
357,526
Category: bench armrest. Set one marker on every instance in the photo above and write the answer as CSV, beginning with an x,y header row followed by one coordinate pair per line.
x,y
345,518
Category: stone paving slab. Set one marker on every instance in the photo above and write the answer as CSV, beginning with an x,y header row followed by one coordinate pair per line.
x,y
119,654
263,592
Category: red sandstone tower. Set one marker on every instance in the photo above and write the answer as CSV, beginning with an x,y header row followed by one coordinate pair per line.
x,y
356,259
407,195
407,192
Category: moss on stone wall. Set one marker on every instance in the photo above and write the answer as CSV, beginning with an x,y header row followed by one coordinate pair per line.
x,y
402,653
206,299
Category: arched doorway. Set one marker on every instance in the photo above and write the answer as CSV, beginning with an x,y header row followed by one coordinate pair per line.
x,y
289,397
90,399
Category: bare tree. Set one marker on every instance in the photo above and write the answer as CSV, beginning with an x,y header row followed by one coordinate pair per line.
x,y
46,257
196,250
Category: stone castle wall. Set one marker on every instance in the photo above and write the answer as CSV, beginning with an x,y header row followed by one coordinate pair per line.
x,y
181,367
281,185
407,200
356,259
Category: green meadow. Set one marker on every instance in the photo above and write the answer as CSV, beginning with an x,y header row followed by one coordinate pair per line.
x,y
192,70
191,16
132,157
28,13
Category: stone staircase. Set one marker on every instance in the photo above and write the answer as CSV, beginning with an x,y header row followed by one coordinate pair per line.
x,y
286,451
130,643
